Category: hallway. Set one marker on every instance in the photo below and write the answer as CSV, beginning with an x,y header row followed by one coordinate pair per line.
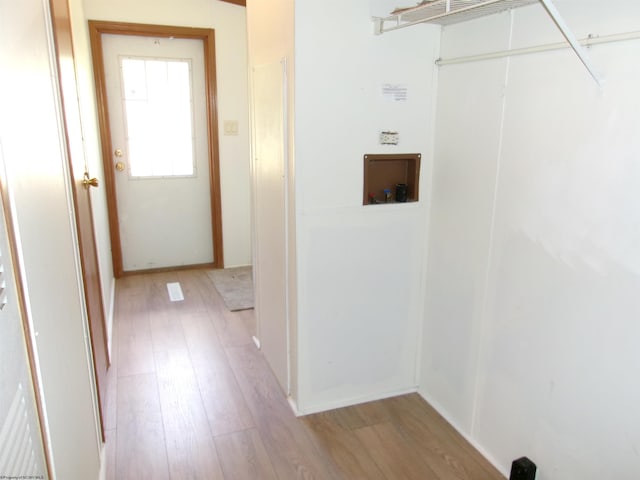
x,y
190,397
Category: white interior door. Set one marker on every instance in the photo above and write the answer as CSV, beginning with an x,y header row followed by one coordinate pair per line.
x,y
156,99
21,446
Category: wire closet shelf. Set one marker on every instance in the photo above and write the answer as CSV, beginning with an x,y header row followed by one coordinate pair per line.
x,y
447,12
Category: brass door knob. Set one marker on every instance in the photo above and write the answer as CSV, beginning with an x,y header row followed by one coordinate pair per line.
x,y
89,182
120,166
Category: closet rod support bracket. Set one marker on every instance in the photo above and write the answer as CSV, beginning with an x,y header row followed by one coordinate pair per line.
x,y
568,35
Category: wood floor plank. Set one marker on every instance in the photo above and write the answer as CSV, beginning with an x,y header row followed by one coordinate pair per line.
x,y
111,404
447,451
342,445
224,403
191,452
109,414
198,292
396,457
250,323
140,441
158,295
110,454
362,415
292,452
192,458
135,352
231,327
132,285
244,456
166,331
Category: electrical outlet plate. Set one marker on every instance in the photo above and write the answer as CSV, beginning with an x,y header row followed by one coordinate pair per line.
x,y
389,138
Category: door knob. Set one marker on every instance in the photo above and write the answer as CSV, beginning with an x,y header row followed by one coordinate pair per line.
x,y
120,166
89,182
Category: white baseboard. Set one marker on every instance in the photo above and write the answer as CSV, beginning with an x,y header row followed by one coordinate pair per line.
x,y
443,412
348,402
110,315
103,463
238,265
294,406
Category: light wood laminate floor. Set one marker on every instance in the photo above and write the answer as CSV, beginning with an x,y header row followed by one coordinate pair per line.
x,y
190,397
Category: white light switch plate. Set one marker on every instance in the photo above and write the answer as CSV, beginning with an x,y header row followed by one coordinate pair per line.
x,y
231,127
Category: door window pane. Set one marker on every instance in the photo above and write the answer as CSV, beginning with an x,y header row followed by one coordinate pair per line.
x,y
158,117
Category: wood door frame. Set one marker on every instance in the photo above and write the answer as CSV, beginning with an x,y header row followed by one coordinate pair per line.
x,y
207,35
83,211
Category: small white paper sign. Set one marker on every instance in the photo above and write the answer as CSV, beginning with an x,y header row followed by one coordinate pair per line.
x,y
395,92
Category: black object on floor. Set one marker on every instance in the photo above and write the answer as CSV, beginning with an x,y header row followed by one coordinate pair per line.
x,y
523,469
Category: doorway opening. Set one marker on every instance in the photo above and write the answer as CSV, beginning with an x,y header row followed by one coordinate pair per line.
x,y
118,166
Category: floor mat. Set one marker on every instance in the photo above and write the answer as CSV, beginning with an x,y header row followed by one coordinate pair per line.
x,y
235,286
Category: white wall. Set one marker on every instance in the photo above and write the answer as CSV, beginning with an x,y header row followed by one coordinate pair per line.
x,y
531,324
229,22
39,182
360,291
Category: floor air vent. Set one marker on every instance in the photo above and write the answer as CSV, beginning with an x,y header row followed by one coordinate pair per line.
x,y
175,292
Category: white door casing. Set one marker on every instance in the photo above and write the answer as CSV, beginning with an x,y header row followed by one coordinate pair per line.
x,y
270,212
163,221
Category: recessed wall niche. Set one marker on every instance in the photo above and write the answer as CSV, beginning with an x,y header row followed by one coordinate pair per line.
x,y
382,174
